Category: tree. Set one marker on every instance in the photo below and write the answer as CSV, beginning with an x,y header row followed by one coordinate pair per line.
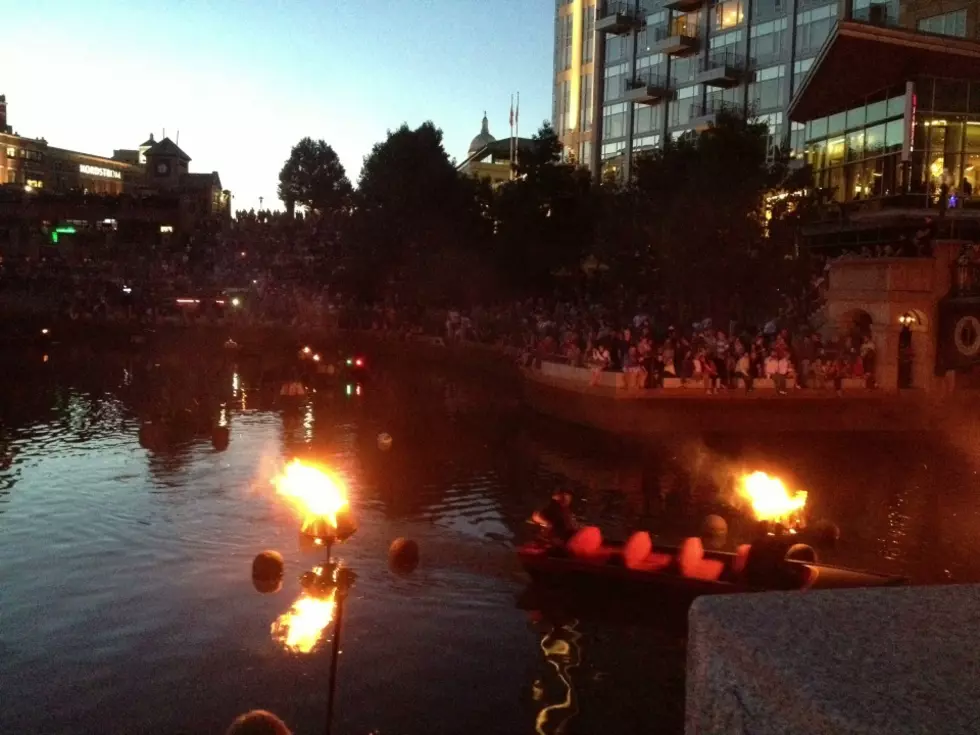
x,y
692,225
412,208
544,219
314,177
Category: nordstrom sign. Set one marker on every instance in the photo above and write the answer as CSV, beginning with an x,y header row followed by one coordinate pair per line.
x,y
106,173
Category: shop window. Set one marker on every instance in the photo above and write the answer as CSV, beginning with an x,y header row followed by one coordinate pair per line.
x,y
973,137
836,123
874,140
894,135
856,118
896,106
855,146
835,151
877,111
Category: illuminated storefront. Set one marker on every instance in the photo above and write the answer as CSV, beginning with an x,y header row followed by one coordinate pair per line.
x,y
873,130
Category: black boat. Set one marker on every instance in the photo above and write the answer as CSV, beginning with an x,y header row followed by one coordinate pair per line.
x,y
768,565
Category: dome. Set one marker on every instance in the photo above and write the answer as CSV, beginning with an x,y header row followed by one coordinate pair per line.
x,y
483,139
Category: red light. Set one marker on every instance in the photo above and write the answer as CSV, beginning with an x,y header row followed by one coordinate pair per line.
x,y
358,390
359,362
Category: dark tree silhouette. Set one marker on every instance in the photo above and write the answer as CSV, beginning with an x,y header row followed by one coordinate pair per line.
x,y
314,177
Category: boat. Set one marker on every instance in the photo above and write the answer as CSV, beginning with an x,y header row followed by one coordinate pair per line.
x,y
688,571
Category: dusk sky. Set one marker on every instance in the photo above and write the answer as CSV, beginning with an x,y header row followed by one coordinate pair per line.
x,y
243,80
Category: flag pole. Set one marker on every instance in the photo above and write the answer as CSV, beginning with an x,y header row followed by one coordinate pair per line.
x,y
517,127
511,157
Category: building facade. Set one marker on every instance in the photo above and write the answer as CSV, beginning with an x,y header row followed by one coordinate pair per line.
x,y
572,102
891,129
629,74
147,189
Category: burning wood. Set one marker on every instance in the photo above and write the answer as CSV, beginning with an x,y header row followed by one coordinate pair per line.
x,y
320,497
770,499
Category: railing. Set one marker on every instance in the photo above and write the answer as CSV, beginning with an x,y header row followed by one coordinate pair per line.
x,y
842,211
714,107
722,58
617,7
677,27
650,78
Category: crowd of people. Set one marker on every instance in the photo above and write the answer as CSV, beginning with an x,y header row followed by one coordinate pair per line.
x,y
268,270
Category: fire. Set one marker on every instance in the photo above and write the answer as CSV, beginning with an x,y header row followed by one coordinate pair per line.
x,y
770,499
301,627
316,493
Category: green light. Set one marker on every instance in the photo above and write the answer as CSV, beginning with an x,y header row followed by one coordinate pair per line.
x,y
350,388
54,237
69,230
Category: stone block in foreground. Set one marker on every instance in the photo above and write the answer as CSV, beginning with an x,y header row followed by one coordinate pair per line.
x,y
897,660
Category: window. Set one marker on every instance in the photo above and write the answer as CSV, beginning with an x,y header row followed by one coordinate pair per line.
x,y
646,142
947,24
680,111
800,70
766,91
866,9
11,152
586,105
611,150
615,82
728,14
768,41
813,28
11,176
588,39
616,48
762,9
647,118
563,43
614,121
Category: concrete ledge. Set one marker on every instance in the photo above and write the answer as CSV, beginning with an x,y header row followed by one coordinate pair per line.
x,y
898,660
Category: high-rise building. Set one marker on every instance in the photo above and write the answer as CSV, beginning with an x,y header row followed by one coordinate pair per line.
x,y
630,74
572,104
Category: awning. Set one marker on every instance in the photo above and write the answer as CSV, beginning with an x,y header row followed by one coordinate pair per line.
x,y
860,59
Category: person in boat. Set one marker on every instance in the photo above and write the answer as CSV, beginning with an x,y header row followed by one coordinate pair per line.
x,y
556,519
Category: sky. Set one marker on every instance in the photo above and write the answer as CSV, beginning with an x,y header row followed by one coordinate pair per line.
x,y
244,80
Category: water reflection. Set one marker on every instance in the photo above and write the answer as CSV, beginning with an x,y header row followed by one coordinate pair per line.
x,y
556,691
301,628
168,524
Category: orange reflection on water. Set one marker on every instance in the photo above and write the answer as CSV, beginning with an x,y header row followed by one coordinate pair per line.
x,y
301,628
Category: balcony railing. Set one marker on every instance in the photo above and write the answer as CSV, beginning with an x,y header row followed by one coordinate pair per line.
x,y
618,16
677,27
650,78
722,59
715,107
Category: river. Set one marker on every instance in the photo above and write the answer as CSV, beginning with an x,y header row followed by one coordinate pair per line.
x,y
126,603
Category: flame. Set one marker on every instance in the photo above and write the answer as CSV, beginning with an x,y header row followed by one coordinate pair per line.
x,y
770,499
300,628
316,493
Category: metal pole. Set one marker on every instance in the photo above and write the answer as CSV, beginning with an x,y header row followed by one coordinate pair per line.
x,y
341,598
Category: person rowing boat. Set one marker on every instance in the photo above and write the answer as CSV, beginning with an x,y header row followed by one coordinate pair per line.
x,y
555,519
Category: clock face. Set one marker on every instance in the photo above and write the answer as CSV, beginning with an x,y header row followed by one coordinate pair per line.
x,y
162,168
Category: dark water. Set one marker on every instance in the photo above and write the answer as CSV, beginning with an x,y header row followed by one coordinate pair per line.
x,y
126,604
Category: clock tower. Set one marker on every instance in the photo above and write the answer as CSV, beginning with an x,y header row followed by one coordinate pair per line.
x,y
165,164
